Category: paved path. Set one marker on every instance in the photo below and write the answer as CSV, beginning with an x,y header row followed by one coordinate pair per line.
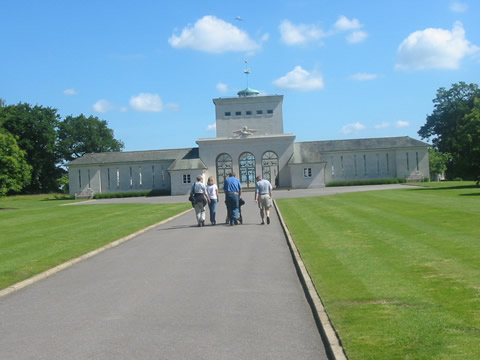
x,y
174,292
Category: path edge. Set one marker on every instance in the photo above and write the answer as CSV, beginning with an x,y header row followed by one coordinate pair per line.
x,y
24,283
328,333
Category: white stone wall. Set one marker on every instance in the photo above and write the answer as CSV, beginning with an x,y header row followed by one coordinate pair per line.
x,y
299,179
131,177
264,124
210,149
181,188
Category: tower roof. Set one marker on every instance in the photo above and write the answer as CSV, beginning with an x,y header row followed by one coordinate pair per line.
x,y
248,92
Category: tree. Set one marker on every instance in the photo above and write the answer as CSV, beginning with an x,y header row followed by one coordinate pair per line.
x,y
35,131
14,169
454,128
438,162
80,135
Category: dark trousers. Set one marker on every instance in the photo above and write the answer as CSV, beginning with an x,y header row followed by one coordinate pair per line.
x,y
232,207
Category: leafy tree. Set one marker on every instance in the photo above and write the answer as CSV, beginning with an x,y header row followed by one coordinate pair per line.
x,y
454,128
438,162
14,169
35,131
80,135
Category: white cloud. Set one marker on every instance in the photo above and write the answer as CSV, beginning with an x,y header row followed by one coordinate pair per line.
x,y
402,124
357,37
345,24
383,125
70,92
212,127
102,106
352,128
434,49
221,87
458,7
147,102
299,34
213,35
300,79
364,76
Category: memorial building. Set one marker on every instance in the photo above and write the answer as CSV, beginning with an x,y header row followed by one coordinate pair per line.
x,y
250,141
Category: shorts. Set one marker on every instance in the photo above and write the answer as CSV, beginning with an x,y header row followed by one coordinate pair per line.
x,y
264,201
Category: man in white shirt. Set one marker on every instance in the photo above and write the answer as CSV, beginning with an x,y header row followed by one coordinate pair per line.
x,y
263,196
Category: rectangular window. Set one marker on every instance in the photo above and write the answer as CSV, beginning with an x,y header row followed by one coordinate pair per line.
x,y
118,177
153,177
238,113
186,178
307,172
364,164
355,163
228,113
108,177
79,179
416,155
378,164
408,163
88,174
140,176
341,164
248,112
131,177
333,166
388,165
259,112
269,112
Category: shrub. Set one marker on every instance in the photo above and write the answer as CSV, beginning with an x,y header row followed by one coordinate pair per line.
x,y
132,194
366,182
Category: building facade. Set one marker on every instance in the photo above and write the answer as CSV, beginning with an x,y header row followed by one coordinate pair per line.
x,y
250,141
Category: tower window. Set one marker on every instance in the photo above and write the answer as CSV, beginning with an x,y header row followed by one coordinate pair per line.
x,y
228,113
248,112
259,112
269,112
238,113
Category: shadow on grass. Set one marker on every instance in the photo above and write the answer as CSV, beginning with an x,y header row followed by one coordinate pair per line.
x,y
6,209
464,187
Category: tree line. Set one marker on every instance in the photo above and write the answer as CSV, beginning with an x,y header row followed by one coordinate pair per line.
x,y
35,143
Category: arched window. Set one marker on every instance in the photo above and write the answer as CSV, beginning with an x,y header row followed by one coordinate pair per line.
x,y
224,168
270,167
247,169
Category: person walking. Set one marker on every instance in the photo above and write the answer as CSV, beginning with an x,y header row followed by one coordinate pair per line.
x,y
212,193
263,196
199,192
233,191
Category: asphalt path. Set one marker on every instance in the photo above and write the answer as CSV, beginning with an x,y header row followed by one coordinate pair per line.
x,y
174,292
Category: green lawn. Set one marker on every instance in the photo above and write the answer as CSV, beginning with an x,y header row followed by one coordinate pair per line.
x,y
397,270
37,233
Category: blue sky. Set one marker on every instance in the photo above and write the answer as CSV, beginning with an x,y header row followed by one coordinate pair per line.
x,y
347,69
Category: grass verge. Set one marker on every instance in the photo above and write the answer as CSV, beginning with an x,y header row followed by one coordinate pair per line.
x,y
38,234
398,270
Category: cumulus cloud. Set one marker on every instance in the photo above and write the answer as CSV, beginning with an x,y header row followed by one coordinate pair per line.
x,y
352,128
364,76
292,34
383,125
213,35
102,106
357,37
212,127
458,7
70,92
300,79
434,49
221,87
345,24
147,102
402,124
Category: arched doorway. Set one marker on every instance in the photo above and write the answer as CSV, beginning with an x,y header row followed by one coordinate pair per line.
x,y
270,167
224,168
247,169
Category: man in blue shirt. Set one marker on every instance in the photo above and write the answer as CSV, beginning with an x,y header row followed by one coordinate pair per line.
x,y
233,191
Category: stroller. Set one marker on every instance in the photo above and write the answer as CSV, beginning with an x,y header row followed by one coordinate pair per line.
x,y
241,202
